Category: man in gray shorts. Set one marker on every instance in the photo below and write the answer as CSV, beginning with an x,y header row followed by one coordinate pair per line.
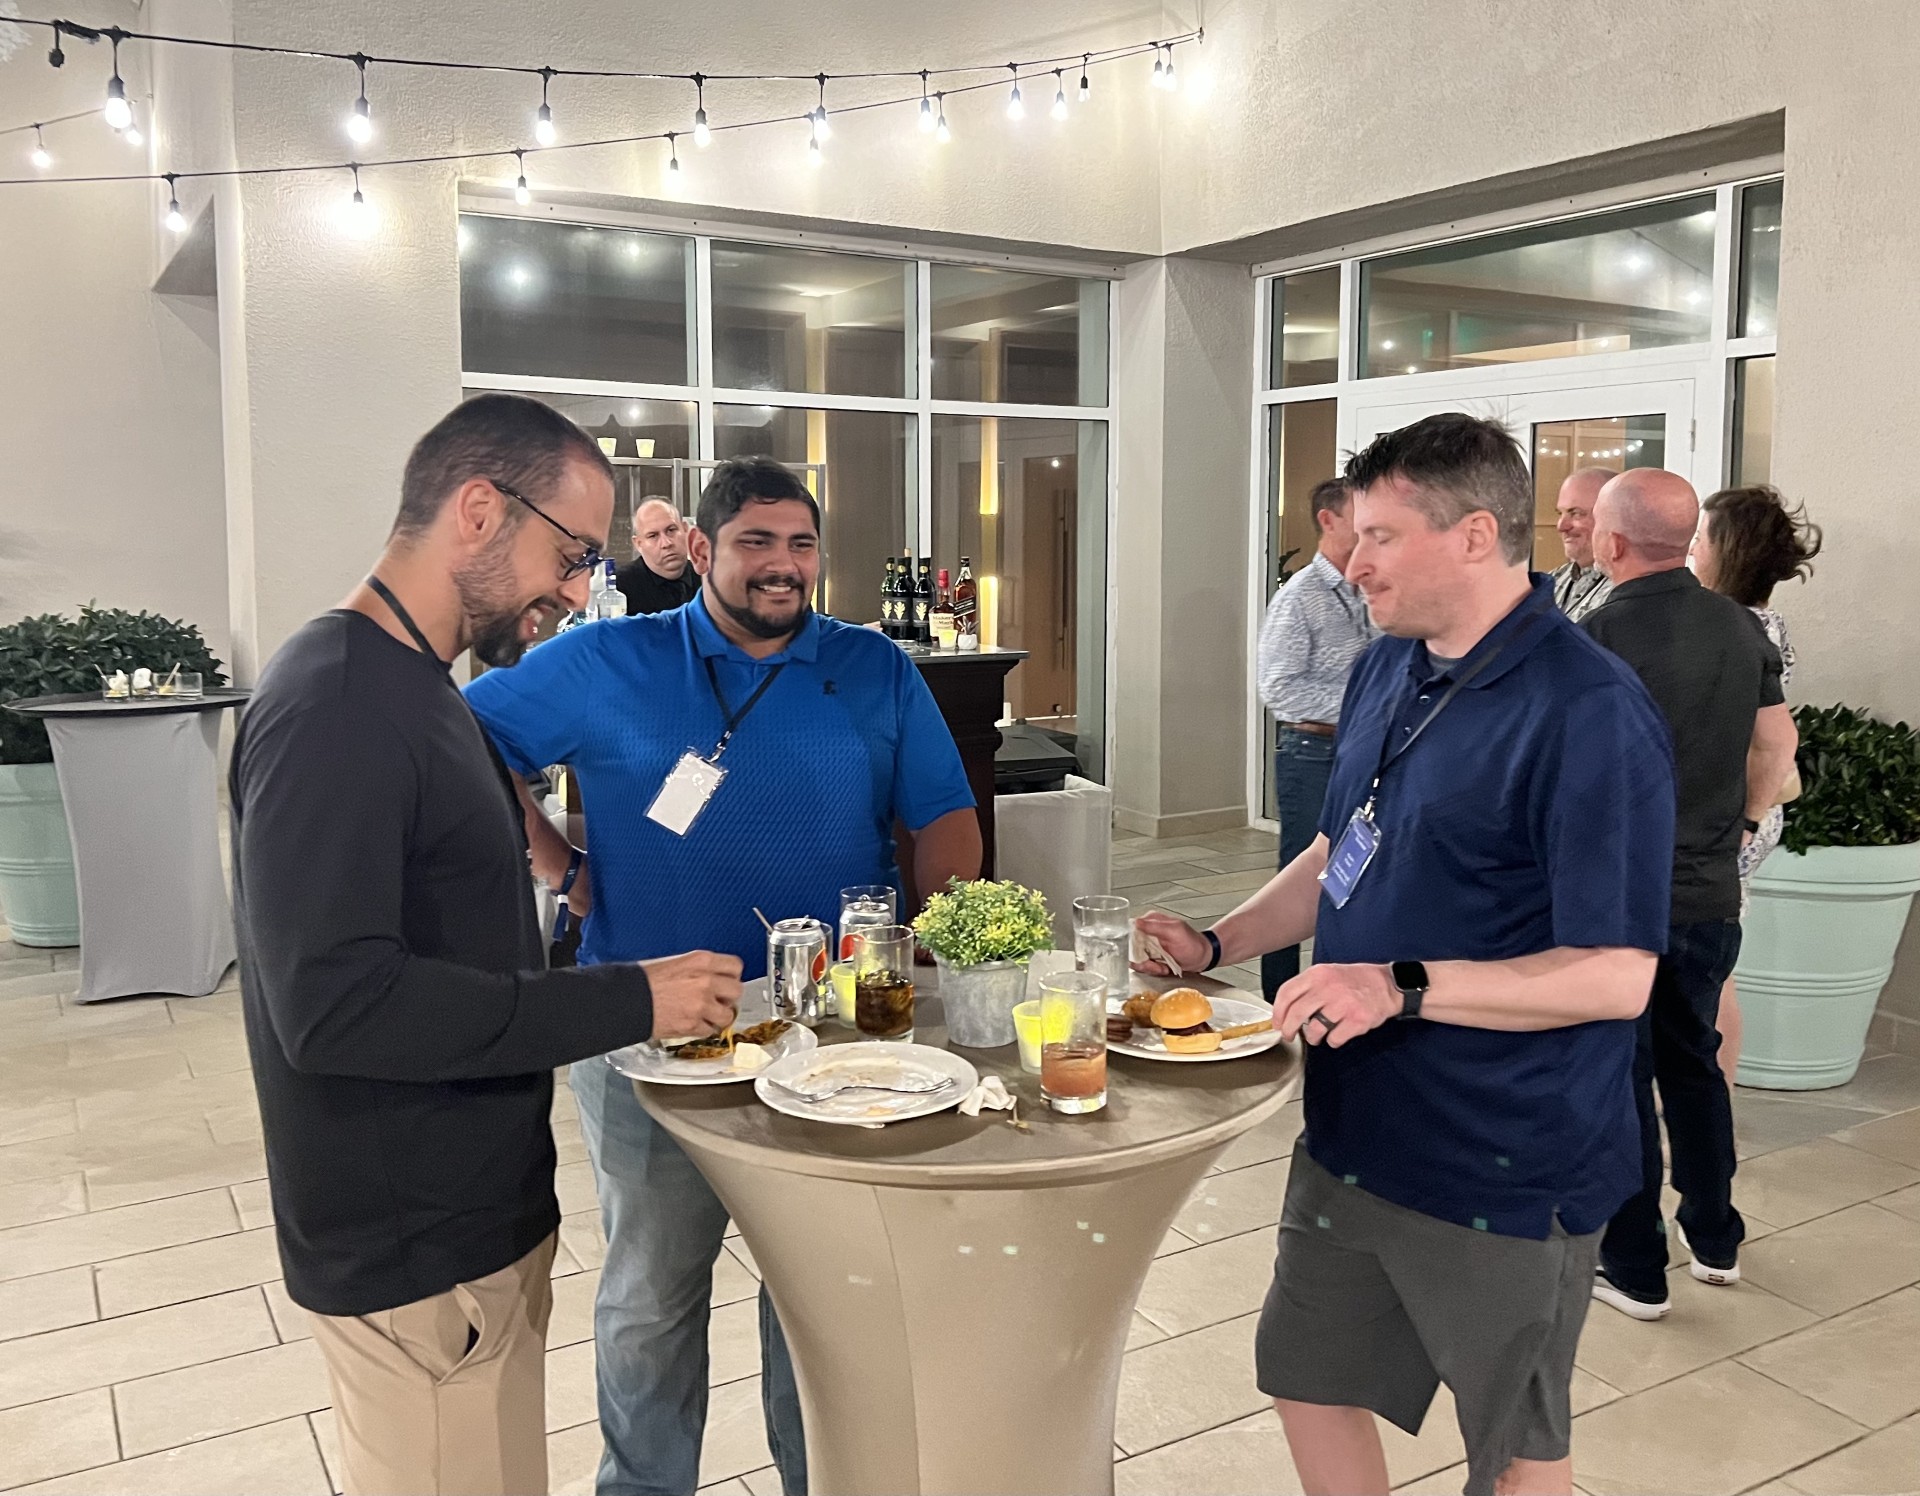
x,y
1487,897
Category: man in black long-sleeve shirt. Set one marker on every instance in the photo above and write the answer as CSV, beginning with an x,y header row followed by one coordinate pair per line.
x,y
402,1026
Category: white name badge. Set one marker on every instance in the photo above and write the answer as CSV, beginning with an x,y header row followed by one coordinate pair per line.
x,y
686,793
1350,857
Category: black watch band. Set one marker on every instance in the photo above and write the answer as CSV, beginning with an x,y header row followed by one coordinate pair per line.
x,y
1213,943
1411,978
1750,826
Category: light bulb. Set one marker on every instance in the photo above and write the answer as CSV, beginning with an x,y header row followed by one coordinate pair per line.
x,y
673,156
702,136
543,130
176,220
40,158
813,150
522,194
132,136
359,210
1086,88
360,122
119,113
1159,69
1016,106
940,131
1059,110
926,114
821,128
1168,81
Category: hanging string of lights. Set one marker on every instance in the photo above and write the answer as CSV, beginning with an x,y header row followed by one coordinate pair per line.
x,y
931,108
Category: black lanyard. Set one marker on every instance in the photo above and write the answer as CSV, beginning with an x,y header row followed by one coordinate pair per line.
x,y
407,623
1391,755
734,719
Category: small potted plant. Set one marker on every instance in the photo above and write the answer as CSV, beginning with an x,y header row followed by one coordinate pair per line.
x,y
982,934
51,655
1829,905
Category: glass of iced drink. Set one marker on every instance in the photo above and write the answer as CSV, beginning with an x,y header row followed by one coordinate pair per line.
x,y
1073,1041
883,983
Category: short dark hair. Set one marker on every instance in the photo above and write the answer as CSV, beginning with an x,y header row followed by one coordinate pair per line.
x,y
1758,542
740,481
1457,464
1328,493
508,439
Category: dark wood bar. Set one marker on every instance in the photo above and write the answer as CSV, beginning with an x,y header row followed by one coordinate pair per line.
x,y
970,690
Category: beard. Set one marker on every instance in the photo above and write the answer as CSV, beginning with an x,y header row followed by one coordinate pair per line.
x,y
490,606
762,625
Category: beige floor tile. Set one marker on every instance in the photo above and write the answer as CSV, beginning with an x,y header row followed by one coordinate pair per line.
x,y
1240,883
1834,1263
1228,1204
1210,1284
281,1458
1202,906
290,1321
253,1200
1237,862
1173,1242
572,1320
1447,1482
173,1275
571,1398
51,1301
1238,1459
765,1481
573,1183
736,1436
582,1236
207,1167
1587,1392
1273,1138
1884,1464
99,1088
136,1345
1896,1137
190,1095
565,1264
235,1124
93,1147
1862,1364
57,1437
1706,1325
731,1281
1143,1331
1132,876
1904,1202
1183,1386
42,1200
1145,896
1435,1447
33,1124
735,1487
106,1234
1764,1121
1723,1428
220,1050
733,1342
221,1397
326,1433
738,1246
1815,1179
573,1459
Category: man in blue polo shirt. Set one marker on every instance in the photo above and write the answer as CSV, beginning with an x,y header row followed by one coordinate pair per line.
x,y
825,735
1487,896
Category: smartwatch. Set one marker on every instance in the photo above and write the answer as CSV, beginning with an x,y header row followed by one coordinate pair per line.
x,y
1213,944
1411,978
1749,825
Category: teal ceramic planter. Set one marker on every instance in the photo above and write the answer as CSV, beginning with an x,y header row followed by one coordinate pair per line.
x,y
37,887
1817,949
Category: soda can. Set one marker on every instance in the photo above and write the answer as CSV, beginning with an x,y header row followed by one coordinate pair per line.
x,y
797,970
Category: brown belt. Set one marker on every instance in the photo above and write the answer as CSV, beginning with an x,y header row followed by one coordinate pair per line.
x,y
1314,729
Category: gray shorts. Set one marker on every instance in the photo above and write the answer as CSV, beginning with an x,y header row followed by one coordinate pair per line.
x,y
1374,1305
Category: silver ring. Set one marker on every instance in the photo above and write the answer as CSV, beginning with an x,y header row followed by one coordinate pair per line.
x,y
1325,1022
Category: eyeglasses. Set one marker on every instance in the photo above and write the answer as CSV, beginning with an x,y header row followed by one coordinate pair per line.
x,y
589,556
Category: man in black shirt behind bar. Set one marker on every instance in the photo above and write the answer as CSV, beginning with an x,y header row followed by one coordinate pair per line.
x,y
402,1024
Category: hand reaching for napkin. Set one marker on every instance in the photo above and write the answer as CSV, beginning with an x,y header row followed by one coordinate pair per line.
x,y
1166,946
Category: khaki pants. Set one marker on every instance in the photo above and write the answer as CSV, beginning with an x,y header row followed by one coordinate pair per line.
x,y
448,1394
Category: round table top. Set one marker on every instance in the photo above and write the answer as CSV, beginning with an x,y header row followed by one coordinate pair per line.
x,y
1155,1109
93,704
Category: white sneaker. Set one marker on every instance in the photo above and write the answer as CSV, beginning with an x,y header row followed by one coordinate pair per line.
x,y
1635,1305
1707,1272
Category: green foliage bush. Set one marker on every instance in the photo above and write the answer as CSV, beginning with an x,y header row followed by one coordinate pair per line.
x,y
1860,782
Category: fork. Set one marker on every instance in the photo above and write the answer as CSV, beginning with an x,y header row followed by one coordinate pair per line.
x,y
817,1096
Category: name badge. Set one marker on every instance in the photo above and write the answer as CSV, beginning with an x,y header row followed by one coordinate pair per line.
x,y
1350,857
686,793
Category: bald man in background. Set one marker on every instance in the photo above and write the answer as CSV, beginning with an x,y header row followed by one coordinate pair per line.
x,y
659,577
1579,586
1713,673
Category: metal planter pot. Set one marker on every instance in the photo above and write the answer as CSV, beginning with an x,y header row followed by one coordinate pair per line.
x,y
37,887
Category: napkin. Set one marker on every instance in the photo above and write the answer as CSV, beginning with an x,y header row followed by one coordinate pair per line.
x,y
990,1094
1147,948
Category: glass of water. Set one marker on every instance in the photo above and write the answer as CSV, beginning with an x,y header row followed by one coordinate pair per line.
x,y
1103,940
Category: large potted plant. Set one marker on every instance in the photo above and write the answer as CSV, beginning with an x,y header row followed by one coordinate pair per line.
x,y
1830,904
51,655
982,934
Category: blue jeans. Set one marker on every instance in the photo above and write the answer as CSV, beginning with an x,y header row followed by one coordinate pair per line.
x,y
1679,1048
664,1228
1302,764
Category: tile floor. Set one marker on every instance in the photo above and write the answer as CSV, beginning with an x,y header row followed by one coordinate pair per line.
x,y
146,1342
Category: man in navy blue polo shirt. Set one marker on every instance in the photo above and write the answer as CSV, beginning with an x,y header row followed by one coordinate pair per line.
x,y
1487,897
826,735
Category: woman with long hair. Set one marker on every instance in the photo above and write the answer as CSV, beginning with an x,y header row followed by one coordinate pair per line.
x,y
1750,541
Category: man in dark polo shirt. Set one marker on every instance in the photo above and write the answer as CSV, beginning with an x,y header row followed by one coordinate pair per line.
x,y
660,577
402,1028
1716,677
1487,897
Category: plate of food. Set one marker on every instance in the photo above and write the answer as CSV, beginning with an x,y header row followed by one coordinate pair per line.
x,y
1186,1026
866,1084
737,1054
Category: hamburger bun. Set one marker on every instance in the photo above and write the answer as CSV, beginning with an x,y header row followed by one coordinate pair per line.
x,y
1139,1010
1204,1042
1182,1008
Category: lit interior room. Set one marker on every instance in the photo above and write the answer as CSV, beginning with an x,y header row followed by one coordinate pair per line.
x,y
1041,748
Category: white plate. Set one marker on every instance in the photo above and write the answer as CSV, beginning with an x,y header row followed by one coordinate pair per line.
x,y
660,1068
882,1064
1228,1012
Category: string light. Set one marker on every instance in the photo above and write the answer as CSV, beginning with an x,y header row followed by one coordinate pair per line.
x,y
175,220
56,58
1059,110
940,131
1169,82
522,194
40,158
821,129
360,120
1016,107
926,105
1159,68
131,135
359,212
673,154
118,112
543,130
1086,88
702,136
814,156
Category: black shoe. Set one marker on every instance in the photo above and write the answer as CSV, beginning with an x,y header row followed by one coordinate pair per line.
x,y
1719,1274
1630,1301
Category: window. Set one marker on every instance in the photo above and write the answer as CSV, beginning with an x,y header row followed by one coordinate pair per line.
x,y
1752,421
1305,329
1019,339
574,301
1759,259
1634,279
810,321
1302,450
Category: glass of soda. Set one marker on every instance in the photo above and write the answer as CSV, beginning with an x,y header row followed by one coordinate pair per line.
x,y
883,983
1073,1041
863,906
1103,939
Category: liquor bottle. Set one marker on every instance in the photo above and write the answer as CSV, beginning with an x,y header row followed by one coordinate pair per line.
x,y
888,624
610,601
966,608
923,603
903,600
943,626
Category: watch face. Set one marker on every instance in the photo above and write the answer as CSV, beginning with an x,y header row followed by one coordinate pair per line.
x,y
1409,974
